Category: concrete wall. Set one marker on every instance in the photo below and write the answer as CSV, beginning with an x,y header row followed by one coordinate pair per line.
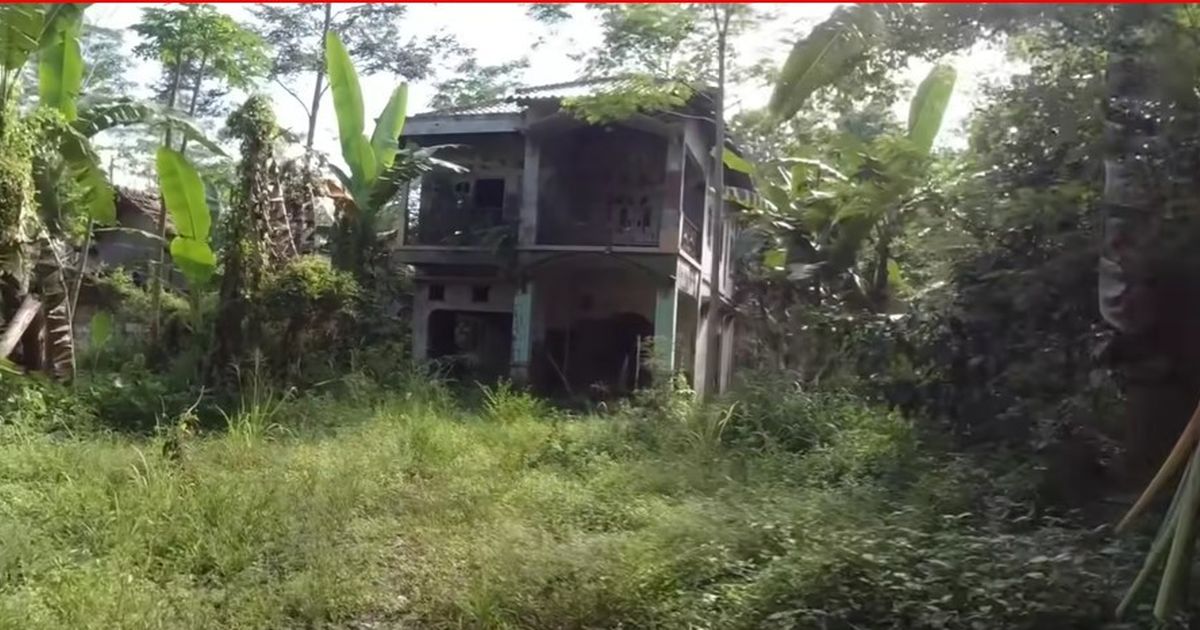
x,y
457,296
600,186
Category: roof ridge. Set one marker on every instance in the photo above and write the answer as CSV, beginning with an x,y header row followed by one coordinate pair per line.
x,y
576,82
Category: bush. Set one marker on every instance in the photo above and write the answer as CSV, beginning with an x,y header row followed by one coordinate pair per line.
x,y
306,305
957,575
33,405
504,404
773,413
309,286
139,401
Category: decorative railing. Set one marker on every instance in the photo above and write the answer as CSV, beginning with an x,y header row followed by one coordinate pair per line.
x,y
689,239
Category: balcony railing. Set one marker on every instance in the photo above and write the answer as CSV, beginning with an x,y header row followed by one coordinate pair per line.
x,y
689,239
458,228
558,227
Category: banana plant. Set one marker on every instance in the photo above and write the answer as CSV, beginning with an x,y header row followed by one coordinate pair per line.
x,y
379,167
368,160
827,211
185,197
832,49
30,231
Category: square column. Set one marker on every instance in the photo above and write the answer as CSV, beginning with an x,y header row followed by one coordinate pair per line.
x,y
666,301
522,332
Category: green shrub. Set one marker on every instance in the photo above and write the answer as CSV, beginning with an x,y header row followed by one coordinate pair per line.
x,y
309,286
507,405
137,400
957,575
33,405
773,413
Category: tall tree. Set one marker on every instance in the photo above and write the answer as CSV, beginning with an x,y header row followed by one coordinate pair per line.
x,y
476,83
664,40
203,52
199,47
375,42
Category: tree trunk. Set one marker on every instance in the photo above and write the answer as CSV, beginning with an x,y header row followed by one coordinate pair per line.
x,y
195,97
1130,209
320,83
711,322
156,278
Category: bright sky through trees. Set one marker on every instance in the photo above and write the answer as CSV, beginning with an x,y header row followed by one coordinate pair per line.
x,y
503,32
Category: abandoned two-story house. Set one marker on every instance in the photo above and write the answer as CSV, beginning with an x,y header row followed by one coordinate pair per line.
x,y
564,245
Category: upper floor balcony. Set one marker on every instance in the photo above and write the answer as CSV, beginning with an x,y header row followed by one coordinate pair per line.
x,y
580,187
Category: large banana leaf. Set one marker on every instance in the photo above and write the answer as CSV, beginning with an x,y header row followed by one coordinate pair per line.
x,y
828,53
737,162
408,165
83,166
98,196
385,139
183,194
195,260
21,28
24,28
363,168
101,117
347,95
928,107
60,67
60,16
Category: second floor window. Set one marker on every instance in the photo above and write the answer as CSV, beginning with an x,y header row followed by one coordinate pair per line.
x,y
489,193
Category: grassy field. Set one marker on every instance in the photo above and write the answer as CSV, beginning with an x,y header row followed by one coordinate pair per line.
x,y
410,511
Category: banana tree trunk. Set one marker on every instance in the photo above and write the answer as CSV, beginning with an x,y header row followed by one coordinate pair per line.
x,y
156,266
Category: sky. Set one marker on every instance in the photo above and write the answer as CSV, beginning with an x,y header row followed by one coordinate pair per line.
x,y
503,32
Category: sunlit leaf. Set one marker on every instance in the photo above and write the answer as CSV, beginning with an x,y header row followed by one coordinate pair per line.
x,y
828,53
737,162
347,96
928,107
60,68
183,193
102,329
195,260
775,258
385,139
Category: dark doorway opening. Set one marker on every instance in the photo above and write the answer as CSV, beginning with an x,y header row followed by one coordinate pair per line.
x,y
473,345
598,357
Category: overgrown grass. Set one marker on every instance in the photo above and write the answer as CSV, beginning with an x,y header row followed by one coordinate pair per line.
x,y
402,509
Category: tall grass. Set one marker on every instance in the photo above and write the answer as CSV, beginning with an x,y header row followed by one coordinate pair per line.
x,y
413,512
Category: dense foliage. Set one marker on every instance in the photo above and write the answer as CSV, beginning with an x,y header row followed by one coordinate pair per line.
x,y
937,402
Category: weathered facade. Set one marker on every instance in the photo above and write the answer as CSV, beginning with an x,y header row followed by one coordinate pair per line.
x,y
565,246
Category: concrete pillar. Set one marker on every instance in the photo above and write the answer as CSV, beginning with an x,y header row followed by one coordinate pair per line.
x,y
701,374
672,203
529,193
728,347
664,328
522,332
421,309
